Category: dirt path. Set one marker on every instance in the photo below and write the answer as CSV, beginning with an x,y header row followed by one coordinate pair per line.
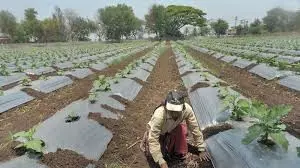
x,y
40,109
255,87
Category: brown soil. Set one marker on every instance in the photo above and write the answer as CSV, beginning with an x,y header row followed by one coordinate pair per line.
x,y
38,110
64,159
6,87
199,85
34,93
131,127
255,87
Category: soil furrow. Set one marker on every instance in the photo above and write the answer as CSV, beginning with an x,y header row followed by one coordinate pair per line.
x,y
40,109
254,87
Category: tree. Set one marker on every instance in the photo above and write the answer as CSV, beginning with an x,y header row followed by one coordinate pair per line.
x,y
20,34
277,19
70,17
118,21
31,24
220,27
58,16
156,20
51,30
204,30
256,27
8,23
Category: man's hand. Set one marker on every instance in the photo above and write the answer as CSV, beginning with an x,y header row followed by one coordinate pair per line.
x,y
164,165
204,156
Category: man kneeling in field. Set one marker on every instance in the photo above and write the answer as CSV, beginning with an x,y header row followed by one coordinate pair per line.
x,y
166,136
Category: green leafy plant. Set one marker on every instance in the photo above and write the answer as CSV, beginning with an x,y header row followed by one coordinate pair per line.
x,y
282,65
30,144
60,72
3,70
1,92
101,84
223,92
26,81
92,97
268,125
216,84
43,77
72,117
206,76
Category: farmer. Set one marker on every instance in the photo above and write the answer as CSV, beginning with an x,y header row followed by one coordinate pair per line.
x,y
166,135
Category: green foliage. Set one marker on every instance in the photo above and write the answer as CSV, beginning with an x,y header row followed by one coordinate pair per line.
x,y
3,70
167,22
30,143
26,81
60,73
220,27
1,92
239,107
8,23
298,151
43,77
101,84
118,21
269,125
92,97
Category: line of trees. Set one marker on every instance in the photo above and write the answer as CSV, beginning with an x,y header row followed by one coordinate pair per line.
x,y
112,23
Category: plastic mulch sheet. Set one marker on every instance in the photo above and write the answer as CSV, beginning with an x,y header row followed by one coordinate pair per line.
x,y
227,151
126,88
191,79
15,77
86,137
11,100
147,67
140,74
207,106
229,59
243,63
266,71
218,55
99,66
53,83
22,162
292,82
39,71
186,68
289,59
64,65
80,73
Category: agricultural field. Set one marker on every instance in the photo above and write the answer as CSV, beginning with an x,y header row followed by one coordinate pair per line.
x,y
88,105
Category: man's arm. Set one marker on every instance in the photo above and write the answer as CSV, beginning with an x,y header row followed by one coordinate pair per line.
x,y
194,128
155,127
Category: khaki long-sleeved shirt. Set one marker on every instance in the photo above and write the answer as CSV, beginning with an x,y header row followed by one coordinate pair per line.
x,y
162,123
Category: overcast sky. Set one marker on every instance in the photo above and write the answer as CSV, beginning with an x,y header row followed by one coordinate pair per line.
x,y
226,9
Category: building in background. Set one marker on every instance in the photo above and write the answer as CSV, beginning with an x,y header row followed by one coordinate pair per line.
x,y
4,38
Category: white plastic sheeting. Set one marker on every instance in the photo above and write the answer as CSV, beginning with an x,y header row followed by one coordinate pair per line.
x,y
126,88
191,79
99,66
86,137
140,74
267,72
12,78
289,59
80,73
53,83
11,100
229,59
243,63
22,162
39,71
292,82
64,65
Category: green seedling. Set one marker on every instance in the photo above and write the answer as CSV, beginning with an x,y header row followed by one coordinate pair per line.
x,y
26,81
268,127
101,84
43,77
72,117
1,92
3,70
32,145
60,72
206,76
92,97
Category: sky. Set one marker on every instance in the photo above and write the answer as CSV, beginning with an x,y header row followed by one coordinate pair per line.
x,y
225,9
